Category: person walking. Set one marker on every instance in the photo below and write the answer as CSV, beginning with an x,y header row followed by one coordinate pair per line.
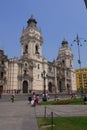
x,y
30,97
12,98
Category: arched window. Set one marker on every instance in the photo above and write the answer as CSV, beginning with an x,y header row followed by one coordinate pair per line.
x,y
36,49
26,48
38,66
63,61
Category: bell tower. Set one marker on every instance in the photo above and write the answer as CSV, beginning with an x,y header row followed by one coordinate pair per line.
x,y
65,71
32,62
65,55
31,40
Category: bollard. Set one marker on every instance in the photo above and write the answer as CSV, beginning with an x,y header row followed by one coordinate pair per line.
x,y
52,120
45,112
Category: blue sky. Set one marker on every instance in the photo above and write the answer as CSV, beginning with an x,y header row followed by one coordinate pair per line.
x,y
57,19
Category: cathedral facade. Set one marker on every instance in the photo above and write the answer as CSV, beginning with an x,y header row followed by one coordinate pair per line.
x,y
32,72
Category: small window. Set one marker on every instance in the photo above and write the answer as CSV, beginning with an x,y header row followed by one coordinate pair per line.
x,y
2,62
84,75
63,61
80,76
38,66
38,76
1,74
25,64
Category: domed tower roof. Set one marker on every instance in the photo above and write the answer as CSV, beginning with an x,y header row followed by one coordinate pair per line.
x,y
32,22
64,50
64,43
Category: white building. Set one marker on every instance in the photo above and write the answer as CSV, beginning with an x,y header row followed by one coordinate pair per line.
x,y
32,71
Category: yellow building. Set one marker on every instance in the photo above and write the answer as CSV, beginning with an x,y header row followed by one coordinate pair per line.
x,y
81,79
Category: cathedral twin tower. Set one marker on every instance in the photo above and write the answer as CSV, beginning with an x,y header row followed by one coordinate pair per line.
x,y
32,72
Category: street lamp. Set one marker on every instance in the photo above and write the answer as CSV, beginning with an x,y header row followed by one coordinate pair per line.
x,y
44,76
77,40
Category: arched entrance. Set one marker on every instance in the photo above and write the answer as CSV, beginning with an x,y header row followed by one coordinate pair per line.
x,y
50,87
25,86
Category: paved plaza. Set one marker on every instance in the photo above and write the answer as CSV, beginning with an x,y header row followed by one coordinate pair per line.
x,y
61,110
17,116
21,116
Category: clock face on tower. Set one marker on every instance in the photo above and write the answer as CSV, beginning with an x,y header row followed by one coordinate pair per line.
x,y
32,31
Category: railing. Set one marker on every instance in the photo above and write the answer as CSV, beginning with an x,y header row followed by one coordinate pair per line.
x,y
51,112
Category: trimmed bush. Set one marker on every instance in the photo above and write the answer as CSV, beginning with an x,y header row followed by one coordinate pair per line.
x,y
60,102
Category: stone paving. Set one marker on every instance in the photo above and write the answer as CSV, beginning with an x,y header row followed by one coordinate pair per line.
x,y
17,116
21,116
61,110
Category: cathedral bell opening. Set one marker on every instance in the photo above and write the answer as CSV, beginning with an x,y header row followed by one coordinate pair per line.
x,y
25,87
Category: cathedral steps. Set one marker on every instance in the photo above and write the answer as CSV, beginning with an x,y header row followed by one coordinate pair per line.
x,y
21,97
18,97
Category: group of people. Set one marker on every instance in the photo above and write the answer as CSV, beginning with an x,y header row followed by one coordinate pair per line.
x,y
34,99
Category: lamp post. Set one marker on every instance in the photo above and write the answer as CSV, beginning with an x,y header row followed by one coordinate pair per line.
x,y
85,3
77,40
44,76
